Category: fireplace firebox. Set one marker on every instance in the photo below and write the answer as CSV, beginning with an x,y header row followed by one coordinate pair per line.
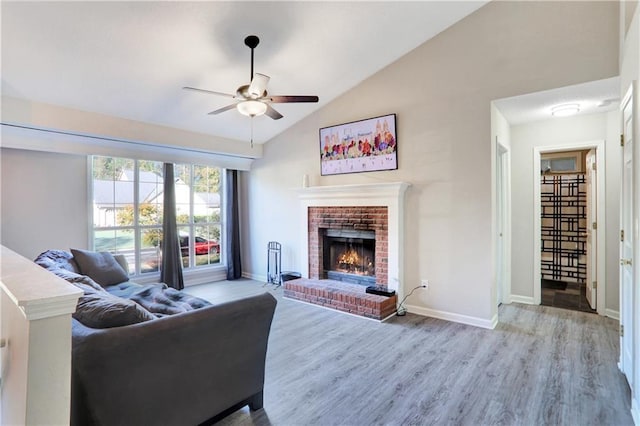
x,y
349,255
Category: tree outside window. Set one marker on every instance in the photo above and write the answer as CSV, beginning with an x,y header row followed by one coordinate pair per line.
x,y
127,211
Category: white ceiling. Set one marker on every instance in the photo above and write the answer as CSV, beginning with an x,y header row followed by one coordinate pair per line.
x,y
131,59
593,97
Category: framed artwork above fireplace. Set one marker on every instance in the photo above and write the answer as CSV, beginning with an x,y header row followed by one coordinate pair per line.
x,y
360,146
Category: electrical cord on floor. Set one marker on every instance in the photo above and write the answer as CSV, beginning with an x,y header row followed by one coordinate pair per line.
x,y
402,311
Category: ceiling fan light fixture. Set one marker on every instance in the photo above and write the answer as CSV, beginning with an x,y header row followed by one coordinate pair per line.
x,y
252,99
251,108
565,110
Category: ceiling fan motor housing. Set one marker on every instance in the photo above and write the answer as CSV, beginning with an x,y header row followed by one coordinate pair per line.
x,y
243,92
252,41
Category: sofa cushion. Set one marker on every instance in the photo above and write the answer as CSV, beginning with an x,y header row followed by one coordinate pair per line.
x,y
102,267
103,310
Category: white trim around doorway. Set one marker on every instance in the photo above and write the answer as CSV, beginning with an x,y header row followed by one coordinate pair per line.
x,y
503,215
599,146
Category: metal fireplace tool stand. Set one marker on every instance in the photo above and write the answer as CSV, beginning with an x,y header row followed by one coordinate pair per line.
x,y
275,275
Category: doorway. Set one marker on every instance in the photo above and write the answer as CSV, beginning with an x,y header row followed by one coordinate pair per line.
x,y
568,262
567,242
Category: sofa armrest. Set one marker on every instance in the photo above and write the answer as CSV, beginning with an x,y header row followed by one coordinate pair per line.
x,y
181,369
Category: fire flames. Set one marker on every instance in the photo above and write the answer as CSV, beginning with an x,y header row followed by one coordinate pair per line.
x,y
351,262
349,257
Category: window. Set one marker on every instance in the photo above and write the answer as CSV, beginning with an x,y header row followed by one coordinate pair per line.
x,y
127,212
562,162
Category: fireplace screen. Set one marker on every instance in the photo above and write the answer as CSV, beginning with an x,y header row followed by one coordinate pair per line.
x,y
350,256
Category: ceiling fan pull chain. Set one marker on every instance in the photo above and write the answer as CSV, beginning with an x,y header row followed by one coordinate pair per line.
x,y
252,132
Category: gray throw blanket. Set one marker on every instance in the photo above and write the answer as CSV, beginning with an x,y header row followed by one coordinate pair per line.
x,y
159,299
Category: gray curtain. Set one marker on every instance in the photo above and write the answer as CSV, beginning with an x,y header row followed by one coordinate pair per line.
x,y
232,229
171,268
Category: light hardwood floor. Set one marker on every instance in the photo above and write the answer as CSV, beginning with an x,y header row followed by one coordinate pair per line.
x,y
540,366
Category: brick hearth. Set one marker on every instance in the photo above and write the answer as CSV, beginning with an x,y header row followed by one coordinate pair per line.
x,y
341,296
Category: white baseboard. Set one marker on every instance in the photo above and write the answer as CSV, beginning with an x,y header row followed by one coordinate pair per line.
x,y
450,316
255,277
202,277
612,314
522,299
494,321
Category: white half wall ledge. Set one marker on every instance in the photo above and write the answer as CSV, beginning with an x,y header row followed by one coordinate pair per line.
x,y
381,194
37,292
36,327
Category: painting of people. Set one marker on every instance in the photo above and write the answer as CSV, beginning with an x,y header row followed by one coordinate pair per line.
x,y
360,146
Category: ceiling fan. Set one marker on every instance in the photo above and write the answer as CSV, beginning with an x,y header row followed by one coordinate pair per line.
x,y
253,99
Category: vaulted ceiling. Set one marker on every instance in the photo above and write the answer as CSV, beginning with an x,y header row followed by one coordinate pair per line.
x,y
131,59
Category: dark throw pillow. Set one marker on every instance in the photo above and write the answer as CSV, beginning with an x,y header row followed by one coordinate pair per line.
x,y
101,267
102,310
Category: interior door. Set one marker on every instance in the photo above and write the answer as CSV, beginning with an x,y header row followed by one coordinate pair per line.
x,y
592,242
626,244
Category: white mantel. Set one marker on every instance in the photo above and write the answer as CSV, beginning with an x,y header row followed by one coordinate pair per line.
x,y
390,195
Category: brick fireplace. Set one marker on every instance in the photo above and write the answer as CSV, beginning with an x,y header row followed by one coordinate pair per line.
x,y
322,220
347,209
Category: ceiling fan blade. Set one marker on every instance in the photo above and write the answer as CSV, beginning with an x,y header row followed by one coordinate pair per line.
x,y
223,109
286,99
273,113
258,85
211,92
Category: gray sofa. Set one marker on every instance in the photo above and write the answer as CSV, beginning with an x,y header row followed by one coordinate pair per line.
x,y
168,358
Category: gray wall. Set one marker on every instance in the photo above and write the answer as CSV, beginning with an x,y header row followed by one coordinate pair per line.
x,y
44,201
441,93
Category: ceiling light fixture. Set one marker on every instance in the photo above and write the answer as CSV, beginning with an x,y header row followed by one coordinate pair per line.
x,y
251,108
565,110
